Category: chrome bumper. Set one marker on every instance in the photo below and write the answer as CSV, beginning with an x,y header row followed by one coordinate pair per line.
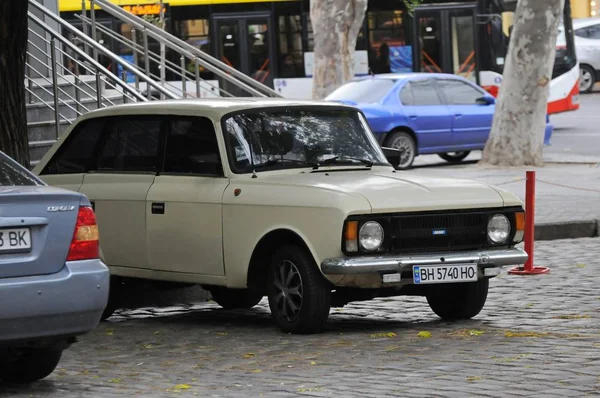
x,y
399,263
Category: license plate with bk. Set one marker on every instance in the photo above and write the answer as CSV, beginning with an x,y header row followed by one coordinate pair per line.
x,y
15,240
425,274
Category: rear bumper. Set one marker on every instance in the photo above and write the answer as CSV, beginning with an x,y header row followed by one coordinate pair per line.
x,y
67,303
400,263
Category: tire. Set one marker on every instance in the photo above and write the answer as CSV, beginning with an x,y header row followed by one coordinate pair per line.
x,y
235,298
115,291
292,268
404,142
30,364
458,301
587,78
454,157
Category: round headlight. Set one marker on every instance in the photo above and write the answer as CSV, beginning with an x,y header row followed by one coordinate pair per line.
x,y
498,228
370,236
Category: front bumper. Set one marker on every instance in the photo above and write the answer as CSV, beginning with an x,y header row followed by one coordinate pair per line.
x,y
64,304
400,263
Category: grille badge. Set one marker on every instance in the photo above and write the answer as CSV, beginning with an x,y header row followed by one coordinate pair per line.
x,y
439,231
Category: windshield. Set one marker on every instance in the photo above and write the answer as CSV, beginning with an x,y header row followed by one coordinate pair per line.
x,y
366,91
12,174
299,137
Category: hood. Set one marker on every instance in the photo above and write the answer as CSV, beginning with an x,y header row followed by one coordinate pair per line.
x,y
400,191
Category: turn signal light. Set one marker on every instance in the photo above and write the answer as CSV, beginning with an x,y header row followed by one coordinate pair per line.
x,y
85,244
519,226
351,236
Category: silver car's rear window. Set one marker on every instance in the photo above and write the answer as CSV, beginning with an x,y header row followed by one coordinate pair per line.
x,y
12,174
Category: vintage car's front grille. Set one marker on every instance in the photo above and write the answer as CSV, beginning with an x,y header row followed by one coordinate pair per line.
x,y
438,232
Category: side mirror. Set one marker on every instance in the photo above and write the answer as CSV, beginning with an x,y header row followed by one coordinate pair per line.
x,y
392,155
485,100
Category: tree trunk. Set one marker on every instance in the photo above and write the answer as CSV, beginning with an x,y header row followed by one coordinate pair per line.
x,y
13,49
517,136
336,24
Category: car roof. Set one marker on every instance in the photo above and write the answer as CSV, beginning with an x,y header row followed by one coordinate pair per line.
x,y
214,108
412,75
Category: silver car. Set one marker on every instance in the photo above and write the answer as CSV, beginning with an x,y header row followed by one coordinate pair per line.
x,y
53,285
587,49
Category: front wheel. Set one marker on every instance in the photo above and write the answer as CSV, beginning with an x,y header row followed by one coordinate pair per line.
x,y
458,301
454,157
299,296
29,364
407,146
235,298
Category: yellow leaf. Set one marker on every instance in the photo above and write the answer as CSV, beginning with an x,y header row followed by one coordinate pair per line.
x,y
257,371
222,333
183,387
114,381
524,334
313,363
109,332
473,378
390,334
581,265
474,332
249,355
425,334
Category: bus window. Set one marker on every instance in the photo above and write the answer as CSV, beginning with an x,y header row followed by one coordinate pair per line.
x,y
291,63
387,40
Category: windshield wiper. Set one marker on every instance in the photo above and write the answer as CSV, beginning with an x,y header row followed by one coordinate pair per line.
x,y
271,162
344,159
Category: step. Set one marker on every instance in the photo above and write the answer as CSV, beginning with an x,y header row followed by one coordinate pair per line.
x,y
43,89
44,130
67,108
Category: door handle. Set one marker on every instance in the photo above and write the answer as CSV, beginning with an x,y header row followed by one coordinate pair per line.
x,y
158,208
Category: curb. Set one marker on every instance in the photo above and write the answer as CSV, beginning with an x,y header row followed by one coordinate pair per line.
x,y
567,230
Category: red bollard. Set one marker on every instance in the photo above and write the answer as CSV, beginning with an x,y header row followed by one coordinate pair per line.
x,y
529,269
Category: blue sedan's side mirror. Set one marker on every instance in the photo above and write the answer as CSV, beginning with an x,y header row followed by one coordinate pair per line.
x,y
486,100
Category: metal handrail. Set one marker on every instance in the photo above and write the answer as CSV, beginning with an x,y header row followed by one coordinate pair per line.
x,y
99,48
214,65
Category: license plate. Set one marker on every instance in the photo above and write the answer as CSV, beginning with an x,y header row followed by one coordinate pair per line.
x,y
444,273
16,239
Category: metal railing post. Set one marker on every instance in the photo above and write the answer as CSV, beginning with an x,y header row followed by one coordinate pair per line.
x,y
98,91
183,87
77,94
135,56
147,60
55,85
93,19
197,72
124,77
84,26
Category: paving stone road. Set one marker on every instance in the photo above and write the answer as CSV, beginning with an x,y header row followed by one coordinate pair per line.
x,y
537,336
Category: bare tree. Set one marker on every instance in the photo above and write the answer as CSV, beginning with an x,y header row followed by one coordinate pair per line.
x,y
517,136
13,47
336,24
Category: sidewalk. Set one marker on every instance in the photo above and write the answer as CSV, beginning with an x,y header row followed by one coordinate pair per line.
x,y
567,194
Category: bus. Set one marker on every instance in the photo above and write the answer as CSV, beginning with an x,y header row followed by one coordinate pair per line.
x,y
272,40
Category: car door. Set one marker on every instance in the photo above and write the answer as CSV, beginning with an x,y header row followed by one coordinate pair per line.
x,y
184,210
69,163
471,122
426,115
118,183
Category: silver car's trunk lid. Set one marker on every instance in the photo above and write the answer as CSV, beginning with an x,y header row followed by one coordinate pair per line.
x,y
36,229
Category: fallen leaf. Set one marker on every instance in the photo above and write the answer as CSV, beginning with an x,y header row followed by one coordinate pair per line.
x,y
390,334
157,332
183,387
313,363
222,333
529,305
109,332
581,265
467,332
524,334
574,316
424,334
257,371
249,355
114,381
473,378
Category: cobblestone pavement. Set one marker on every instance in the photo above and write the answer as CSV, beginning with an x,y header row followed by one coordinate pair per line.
x,y
537,336
563,192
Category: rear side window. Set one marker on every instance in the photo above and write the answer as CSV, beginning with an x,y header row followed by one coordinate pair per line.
x,y
191,147
131,145
424,93
76,154
12,174
406,95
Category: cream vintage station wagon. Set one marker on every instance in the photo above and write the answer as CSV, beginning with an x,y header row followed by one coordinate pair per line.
x,y
294,200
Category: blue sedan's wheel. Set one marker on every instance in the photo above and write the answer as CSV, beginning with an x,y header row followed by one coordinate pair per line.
x,y
454,156
403,142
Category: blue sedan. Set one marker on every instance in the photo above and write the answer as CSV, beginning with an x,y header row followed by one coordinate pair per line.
x,y
53,285
424,113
